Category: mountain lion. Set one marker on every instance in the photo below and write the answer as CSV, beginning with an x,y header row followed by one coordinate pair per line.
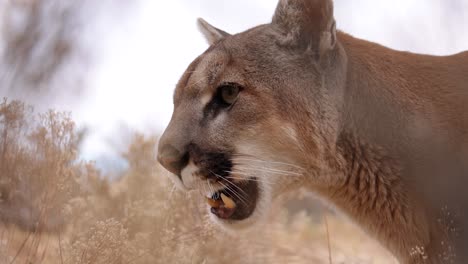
x,y
380,134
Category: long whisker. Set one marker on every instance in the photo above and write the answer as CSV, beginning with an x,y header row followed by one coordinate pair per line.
x,y
234,192
269,168
233,184
249,177
274,171
249,180
228,186
270,163
274,163
211,187
201,188
253,158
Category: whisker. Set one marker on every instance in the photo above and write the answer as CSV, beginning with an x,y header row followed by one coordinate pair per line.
x,y
250,178
266,165
211,187
238,195
233,184
274,171
265,161
235,193
201,188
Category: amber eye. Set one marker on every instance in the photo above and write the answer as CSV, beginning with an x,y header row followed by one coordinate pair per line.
x,y
229,93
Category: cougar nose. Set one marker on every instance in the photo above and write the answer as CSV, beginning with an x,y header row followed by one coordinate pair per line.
x,y
172,159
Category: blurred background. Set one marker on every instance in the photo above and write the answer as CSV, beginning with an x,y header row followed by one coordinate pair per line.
x,y
108,69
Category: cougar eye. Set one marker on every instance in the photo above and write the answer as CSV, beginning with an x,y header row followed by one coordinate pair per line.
x,y
228,93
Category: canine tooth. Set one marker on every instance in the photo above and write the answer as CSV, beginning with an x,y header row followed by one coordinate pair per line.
x,y
213,203
228,202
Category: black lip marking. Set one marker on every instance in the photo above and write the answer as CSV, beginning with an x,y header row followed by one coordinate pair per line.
x,y
217,166
212,164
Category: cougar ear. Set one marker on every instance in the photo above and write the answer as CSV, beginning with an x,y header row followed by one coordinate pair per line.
x,y
307,24
211,33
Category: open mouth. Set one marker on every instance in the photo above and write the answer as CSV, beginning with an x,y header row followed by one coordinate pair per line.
x,y
235,202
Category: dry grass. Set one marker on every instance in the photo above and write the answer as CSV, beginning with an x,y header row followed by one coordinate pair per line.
x,y
57,209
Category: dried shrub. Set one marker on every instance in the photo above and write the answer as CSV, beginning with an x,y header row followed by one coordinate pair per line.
x,y
104,242
37,166
75,215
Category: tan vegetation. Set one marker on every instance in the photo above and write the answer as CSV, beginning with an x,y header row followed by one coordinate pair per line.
x,y
55,208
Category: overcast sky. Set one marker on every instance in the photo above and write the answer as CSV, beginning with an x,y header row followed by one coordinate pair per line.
x,y
142,52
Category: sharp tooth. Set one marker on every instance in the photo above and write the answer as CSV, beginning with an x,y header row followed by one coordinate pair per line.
x,y
228,202
213,203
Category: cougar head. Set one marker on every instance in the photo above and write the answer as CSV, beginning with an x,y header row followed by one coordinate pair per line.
x,y
258,112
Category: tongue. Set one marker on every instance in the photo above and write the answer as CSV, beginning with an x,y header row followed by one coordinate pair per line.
x,y
222,212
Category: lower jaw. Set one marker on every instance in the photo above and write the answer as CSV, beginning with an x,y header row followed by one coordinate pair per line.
x,y
235,227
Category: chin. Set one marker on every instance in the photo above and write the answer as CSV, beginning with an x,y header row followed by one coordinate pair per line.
x,y
248,212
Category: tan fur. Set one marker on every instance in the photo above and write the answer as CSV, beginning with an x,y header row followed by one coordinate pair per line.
x,y
380,133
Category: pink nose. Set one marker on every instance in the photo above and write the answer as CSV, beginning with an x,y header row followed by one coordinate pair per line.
x,y
172,159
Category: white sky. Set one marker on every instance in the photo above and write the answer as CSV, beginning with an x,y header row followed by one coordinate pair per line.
x,y
142,56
